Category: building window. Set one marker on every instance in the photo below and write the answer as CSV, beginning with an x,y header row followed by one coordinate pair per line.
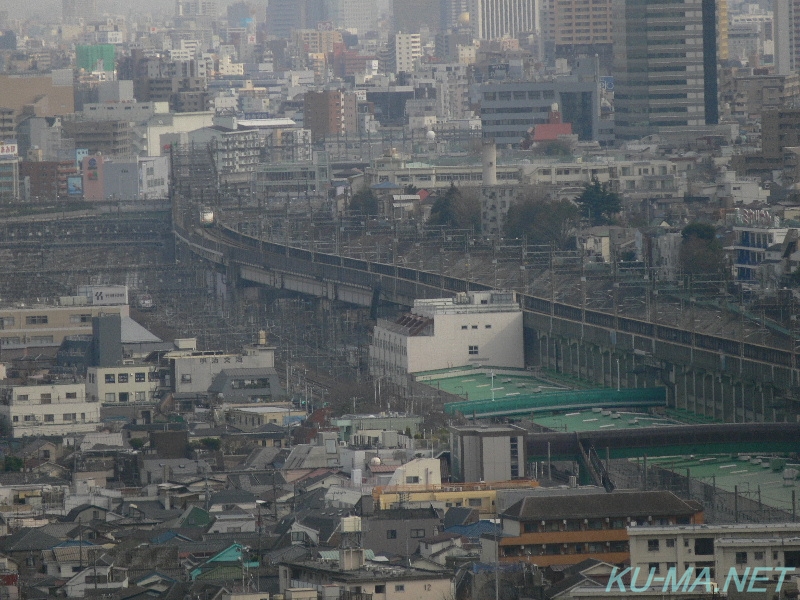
x,y
72,395
417,534
139,377
15,419
391,534
122,378
110,378
412,479
474,502
111,397
399,588
80,318
474,326
140,397
46,398
654,567
186,378
758,556
36,320
741,558
463,327
70,417
488,326
123,396
671,543
49,418
22,398
652,545
473,349
380,589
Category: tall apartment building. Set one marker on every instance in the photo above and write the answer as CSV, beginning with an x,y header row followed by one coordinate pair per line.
x,y
494,19
665,65
450,13
581,27
360,15
411,15
330,112
78,9
188,8
786,33
404,49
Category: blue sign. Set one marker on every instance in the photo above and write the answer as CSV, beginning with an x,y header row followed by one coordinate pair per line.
x,y
607,83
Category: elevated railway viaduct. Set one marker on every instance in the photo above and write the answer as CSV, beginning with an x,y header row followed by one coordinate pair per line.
x,y
731,380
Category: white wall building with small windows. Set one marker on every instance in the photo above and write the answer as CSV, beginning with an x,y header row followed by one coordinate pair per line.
x,y
476,328
122,384
47,409
718,547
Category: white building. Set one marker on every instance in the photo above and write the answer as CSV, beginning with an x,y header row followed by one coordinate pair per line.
x,y
718,547
127,383
477,328
192,372
406,49
47,409
495,19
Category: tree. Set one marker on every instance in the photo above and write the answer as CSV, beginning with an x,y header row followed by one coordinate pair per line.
x,y
541,219
598,203
12,464
700,251
365,202
456,210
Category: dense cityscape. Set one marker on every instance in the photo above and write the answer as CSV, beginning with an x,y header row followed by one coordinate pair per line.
x,y
399,299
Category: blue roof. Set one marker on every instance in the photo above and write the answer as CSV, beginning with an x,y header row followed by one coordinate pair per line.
x,y
386,185
474,531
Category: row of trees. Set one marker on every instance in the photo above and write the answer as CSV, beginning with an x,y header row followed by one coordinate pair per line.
x,y
541,219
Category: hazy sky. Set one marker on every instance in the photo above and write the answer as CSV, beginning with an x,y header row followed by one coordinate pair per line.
x,y
27,8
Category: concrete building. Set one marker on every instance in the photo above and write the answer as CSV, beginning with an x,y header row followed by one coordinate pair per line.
x,y
665,67
52,409
495,19
47,326
721,548
564,527
580,28
477,328
293,178
750,249
127,383
488,453
234,149
250,418
357,578
330,113
9,171
405,49
109,138
353,427
192,371
786,34
510,108
412,15
360,16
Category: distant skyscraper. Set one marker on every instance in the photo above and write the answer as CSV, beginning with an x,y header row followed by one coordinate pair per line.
x,y
494,19
665,66
450,11
284,16
361,15
196,8
410,15
78,9
786,33
578,31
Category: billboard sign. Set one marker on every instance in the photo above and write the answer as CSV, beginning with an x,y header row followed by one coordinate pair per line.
x,y
104,294
75,186
607,84
8,149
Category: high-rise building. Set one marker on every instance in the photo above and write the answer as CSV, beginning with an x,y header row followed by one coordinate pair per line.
x,y
330,113
451,13
404,49
360,15
284,16
665,66
411,15
198,8
78,9
786,32
581,28
493,19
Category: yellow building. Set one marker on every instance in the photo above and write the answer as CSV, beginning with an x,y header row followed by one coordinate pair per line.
x,y
481,496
